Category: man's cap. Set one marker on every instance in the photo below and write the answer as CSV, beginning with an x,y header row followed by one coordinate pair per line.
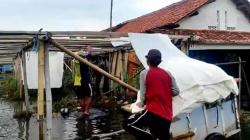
x,y
154,56
154,53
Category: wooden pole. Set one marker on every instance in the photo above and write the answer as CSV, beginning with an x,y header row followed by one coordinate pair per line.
x,y
40,97
20,77
48,95
93,66
111,15
26,94
240,77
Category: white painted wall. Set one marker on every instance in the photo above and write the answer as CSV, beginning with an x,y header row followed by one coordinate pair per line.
x,y
208,17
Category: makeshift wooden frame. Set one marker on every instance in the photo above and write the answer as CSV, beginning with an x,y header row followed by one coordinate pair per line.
x,y
15,42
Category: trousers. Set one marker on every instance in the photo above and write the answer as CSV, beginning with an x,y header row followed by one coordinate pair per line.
x,y
147,126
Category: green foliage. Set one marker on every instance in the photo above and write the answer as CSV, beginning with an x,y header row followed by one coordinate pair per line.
x,y
10,87
65,102
244,117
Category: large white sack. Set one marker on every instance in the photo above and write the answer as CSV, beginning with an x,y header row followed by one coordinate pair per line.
x,y
56,60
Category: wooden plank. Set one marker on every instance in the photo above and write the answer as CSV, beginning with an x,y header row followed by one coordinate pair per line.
x,y
94,34
48,95
20,80
12,41
25,83
6,63
186,136
113,66
40,97
126,62
119,66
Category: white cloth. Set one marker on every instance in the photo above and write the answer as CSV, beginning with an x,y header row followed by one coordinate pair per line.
x,y
134,107
56,69
198,81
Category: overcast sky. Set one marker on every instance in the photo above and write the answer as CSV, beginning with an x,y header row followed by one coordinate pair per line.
x,y
88,15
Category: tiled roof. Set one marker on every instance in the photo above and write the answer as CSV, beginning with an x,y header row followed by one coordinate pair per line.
x,y
165,16
212,36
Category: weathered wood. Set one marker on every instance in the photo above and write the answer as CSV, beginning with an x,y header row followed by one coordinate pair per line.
x,y
114,59
185,136
113,66
119,66
25,83
93,66
40,97
48,95
20,81
94,34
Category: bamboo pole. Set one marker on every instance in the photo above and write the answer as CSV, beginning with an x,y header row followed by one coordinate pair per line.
x,y
26,94
20,86
48,94
20,77
40,97
93,66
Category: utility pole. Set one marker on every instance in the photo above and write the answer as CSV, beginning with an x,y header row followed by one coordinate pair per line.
x,y
111,15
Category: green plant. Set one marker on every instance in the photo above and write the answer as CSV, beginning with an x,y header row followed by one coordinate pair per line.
x,y
244,116
10,87
65,102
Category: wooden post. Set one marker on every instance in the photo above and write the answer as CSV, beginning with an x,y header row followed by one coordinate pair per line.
x,y
20,86
20,77
93,66
26,94
48,95
40,97
240,77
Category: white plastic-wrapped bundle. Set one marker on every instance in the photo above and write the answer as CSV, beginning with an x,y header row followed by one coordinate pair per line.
x,y
198,81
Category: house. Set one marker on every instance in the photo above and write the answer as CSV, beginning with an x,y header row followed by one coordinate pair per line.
x,y
232,15
219,32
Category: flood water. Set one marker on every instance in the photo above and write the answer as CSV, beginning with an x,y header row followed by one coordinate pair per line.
x,y
101,122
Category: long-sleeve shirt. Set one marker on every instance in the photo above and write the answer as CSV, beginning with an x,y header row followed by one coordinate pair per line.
x,y
156,90
143,74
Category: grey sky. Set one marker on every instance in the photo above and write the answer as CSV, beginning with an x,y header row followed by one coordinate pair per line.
x,y
71,14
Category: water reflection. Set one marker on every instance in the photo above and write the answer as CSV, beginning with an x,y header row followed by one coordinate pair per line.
x,y
8,125
101,121
23,126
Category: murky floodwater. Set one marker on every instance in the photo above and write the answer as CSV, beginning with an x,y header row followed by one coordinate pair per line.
x,y
63,129
101,122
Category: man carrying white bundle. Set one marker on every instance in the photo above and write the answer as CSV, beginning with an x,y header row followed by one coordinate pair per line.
x,y
157,87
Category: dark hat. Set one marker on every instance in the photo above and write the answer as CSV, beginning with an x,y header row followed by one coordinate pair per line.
x,y
154,57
